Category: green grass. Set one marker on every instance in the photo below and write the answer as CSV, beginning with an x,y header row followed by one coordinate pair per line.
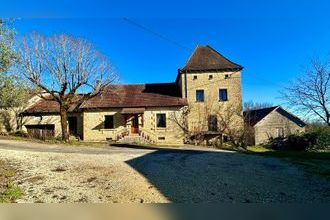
x,y
11,194
313,162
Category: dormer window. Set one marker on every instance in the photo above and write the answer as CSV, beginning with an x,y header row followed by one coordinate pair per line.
x,y
210,77
195,77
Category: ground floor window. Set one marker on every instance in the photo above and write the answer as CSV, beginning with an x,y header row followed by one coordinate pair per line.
x,y
161,120
108,122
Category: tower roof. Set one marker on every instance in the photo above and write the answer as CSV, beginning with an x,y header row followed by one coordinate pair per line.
x,y
205,58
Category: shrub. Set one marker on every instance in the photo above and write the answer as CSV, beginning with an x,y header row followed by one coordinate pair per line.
x,y
320,137
19,134
314,139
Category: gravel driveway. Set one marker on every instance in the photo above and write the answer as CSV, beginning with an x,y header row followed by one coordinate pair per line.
x,y
55,173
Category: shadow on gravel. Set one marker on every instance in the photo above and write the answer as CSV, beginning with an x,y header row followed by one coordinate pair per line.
x,y
188,176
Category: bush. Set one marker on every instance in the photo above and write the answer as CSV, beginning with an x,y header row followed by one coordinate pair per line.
x,y
19,134
320,137
314,139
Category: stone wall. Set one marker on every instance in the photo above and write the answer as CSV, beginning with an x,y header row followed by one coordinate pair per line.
x,y
199,111
273,125
54,119
93,129
93,126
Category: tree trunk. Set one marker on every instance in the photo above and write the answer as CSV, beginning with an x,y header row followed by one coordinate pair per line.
x,y
64,123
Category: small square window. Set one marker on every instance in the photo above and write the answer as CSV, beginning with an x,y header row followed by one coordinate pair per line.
x,y
210,76
108,122
161,120
200,95
226,76
195,77
223,95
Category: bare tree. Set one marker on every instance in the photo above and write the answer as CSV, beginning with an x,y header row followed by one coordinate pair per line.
x,y
62,66
213,124
310,93
251,105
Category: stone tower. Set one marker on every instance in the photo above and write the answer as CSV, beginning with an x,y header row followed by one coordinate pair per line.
x,y
212,86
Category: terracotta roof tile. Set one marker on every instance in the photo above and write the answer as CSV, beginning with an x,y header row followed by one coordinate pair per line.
x,y
121,96
138,95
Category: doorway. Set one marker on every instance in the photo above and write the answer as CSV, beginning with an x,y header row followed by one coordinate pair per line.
x,y
135,124
73,125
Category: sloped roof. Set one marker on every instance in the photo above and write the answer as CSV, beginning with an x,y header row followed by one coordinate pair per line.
x,y
205,58
49,105
137,95
252,117
120,96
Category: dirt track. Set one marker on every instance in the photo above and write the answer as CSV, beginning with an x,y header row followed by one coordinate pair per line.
x,y
54,173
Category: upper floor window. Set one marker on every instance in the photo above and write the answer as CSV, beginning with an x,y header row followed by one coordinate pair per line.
x,y
194,77
108,122
161,120
200,95
226,76
210,76
223,95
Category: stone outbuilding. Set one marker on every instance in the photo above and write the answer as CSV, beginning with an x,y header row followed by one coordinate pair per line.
x,y
273,122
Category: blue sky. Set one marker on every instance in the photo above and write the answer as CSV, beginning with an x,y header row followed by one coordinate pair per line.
x,y
273,40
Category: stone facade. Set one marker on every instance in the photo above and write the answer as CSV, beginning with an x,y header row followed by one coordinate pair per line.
x,y
211,83
93,127
205,70
276,124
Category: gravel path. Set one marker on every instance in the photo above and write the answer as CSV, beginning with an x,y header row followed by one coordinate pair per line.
x,y
55,173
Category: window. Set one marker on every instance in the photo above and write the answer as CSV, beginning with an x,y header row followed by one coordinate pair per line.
x,y
213,123
280,132
223,95
226,76
161,120
210,76
195,77
200,95
108,122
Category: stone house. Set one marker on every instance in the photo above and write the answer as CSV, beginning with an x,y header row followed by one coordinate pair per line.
x,y
273,122
10,120
145,112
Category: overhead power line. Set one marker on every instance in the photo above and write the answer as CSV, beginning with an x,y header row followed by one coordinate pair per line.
x,y
130,21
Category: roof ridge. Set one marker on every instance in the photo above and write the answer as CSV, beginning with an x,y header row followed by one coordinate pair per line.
x,y
207,58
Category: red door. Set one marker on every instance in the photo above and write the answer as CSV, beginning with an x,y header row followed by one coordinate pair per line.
x,y
135,125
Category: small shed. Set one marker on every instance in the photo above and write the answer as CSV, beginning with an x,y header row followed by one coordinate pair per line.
x,y
273,122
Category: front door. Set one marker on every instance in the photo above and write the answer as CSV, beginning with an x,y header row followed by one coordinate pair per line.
x,y
72,125
135,125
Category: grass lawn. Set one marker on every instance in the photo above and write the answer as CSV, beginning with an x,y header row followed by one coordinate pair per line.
x,y
9,192
55,141
314,162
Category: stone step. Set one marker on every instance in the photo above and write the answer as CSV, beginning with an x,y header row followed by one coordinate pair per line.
x,y
133,139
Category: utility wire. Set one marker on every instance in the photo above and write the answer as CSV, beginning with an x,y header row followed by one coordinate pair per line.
x,y
130,21
134,23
